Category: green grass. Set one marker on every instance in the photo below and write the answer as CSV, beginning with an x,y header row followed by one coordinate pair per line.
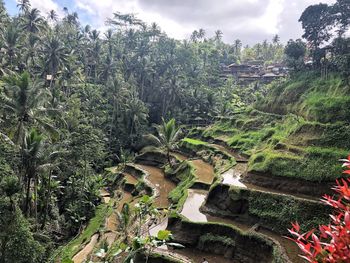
x,y
309,95
95,224
277,211
186,174
317,164
288,146
209,238
194,141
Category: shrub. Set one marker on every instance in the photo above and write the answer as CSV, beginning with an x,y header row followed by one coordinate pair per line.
x,y
332,243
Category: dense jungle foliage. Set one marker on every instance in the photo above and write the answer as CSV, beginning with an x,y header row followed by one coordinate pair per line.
x,y
74,101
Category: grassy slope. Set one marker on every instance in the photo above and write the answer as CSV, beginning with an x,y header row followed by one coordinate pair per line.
x,y
305,146
307,95
95,224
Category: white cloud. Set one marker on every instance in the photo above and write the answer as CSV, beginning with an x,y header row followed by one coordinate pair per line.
x,y
250,20
45,6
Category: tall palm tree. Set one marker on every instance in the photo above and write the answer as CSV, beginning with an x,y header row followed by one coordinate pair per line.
x,y
31,158
276,39
168,135
201,33
23,5
218,35
55,55
109,41
52,16
11,44
237,47
27,103
31,50
135,114
33,22
194,36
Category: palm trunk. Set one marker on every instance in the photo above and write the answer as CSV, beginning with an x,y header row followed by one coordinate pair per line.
x,y
26,207
47,201
168,156
36,200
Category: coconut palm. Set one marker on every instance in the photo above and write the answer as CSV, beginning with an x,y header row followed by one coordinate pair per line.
x,y
168,135
31,158
23,5
218,35
194,36
10,40
276,39
55,55
52,16
26,101
201,33
237,47
33,22
135,114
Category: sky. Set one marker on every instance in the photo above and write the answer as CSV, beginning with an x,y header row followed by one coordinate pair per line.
x,y
251,21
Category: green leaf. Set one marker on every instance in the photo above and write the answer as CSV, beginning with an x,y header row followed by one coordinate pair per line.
x,y
163,234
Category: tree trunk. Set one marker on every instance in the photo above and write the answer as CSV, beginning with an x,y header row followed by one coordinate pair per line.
x,y
47,201
168,156
26,207
36,200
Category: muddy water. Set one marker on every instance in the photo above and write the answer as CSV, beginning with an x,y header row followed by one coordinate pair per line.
x,y
232,177
235,174
163,185
291,248
130,179
112,221
161,225
82,255
191,210
192,204
204,171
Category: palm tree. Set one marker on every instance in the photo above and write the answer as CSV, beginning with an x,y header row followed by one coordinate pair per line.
x,y
23,5
109,41
33,22
201,33
27,102
55,56
168,135
194,36
11,43
125,220
218,35
31,50
237,47
52,16
31,158
135,114
276,39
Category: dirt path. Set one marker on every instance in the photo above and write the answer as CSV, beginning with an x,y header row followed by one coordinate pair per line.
x,y
111,227
83,254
